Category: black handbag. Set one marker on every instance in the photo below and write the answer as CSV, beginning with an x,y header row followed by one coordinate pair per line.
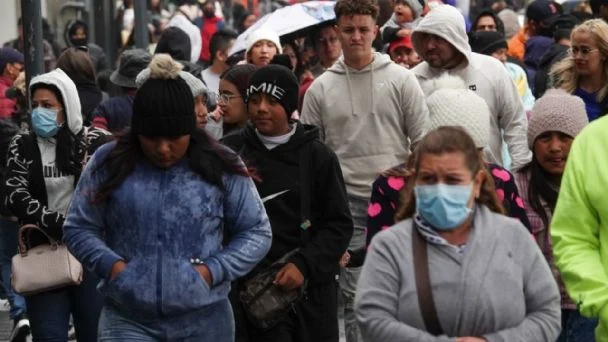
x,y
264,303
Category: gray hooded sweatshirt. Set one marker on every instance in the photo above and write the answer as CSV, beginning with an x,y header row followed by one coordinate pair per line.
x,y
500,288
367,117
483,74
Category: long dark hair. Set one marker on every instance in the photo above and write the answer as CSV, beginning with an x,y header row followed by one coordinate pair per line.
x,y
77,65
70,148
205,156
540,187
448,139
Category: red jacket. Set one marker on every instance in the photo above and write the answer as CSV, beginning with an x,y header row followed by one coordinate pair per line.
x,y
7,106
210,26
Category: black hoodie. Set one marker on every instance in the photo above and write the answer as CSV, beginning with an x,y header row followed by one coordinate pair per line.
x,y
556,53
279,174
98,56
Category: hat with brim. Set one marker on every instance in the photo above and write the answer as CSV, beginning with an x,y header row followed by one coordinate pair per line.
x,y
131,63
405,42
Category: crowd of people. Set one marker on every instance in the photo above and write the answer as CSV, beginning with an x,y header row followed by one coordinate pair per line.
x,y
437,176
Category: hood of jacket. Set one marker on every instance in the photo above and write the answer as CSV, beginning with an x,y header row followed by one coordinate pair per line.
x,y
68,91
71,28
500,26
536,48
379,63
446,22
556,52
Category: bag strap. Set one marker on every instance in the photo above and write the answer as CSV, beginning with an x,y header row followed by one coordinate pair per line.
x,y
306,167
423,284
24,242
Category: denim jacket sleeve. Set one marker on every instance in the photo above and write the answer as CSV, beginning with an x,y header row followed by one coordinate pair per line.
x,y
84,224
247,224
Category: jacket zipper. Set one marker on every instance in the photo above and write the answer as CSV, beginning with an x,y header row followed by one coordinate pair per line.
x,y
159,260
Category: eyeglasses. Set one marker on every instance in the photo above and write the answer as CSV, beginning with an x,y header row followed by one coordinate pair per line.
x,y
584,51
330,40
225,98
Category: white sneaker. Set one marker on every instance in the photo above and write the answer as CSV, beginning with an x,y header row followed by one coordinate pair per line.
x,y
20,331
72,334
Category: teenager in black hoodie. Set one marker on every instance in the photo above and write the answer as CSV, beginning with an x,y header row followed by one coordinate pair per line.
x,y
301,184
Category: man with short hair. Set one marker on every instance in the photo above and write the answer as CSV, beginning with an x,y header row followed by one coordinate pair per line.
x,y
328,48
369,110
220,44
11,65
441,40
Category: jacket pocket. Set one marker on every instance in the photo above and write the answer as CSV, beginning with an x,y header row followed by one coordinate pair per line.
x,y
183,288
134,289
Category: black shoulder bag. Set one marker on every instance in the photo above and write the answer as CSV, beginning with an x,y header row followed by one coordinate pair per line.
x,y
264,304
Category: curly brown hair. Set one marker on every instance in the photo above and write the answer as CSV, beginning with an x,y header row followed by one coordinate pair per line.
x,y
448,139
356,7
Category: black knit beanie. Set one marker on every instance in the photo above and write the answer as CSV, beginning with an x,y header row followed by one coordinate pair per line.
x,y
163,107
486,42
278,82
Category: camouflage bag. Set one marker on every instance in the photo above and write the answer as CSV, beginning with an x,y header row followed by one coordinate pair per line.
x,y
264,303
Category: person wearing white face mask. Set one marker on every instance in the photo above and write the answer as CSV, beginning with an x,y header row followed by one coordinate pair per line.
x,y
455,268
42,170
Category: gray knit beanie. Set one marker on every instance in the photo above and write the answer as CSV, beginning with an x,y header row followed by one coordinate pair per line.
x,y
557,111
164,61
453,104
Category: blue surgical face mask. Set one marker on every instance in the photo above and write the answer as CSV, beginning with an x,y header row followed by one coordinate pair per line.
x,y
443,206
44,122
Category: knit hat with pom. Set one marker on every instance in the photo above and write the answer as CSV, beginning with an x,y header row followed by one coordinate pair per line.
x,y
453,104
163,105
164,61
557,111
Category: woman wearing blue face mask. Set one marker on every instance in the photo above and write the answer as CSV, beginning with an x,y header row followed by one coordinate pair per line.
x,y
43,168
455,268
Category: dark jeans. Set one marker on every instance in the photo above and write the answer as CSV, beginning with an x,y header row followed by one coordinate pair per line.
x,y
576,328
8,248
315,319
49,312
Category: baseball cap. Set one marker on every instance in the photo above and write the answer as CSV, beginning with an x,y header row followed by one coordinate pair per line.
x,y
541,10
401,42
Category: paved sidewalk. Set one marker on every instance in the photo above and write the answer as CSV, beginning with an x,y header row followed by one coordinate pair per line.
x,y
6,325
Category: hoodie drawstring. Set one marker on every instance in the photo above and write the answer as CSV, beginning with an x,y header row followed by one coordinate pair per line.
x,y
350,91
373,90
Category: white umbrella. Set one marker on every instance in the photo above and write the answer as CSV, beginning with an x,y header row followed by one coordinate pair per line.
x,y
290,19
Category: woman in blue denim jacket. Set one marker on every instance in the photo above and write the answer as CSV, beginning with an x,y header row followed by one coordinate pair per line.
x,y
149,216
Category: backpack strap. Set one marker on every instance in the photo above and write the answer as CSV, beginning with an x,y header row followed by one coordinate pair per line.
x,y
423,284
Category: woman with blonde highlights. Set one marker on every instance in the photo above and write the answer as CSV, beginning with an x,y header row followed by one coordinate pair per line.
x,y
584,72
